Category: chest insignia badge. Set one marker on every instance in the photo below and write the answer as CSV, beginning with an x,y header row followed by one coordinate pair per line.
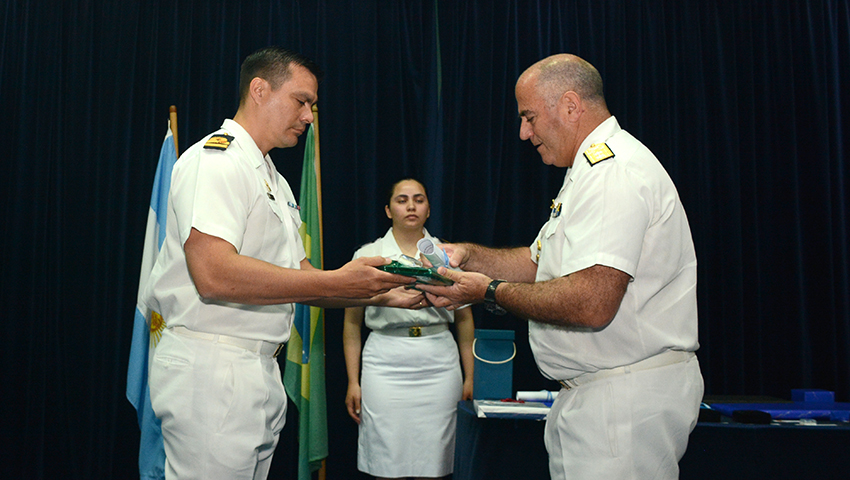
x,y
555,210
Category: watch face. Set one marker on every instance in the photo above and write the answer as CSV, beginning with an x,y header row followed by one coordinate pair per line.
x,y
490,294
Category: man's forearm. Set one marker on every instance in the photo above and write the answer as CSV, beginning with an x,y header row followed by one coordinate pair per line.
x,y
250,281
220,273
511,264
586,299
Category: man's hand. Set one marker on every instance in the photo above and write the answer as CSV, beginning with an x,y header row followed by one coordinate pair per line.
x,y
402,297
469,287
360,278
458,254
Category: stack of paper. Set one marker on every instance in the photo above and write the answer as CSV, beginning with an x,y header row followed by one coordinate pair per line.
x,y
502,409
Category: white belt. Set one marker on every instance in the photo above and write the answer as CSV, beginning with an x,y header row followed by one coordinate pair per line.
x,y
260,347
661,360
414,331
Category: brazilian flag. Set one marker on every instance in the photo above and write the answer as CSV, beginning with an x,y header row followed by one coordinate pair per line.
x,y
304,375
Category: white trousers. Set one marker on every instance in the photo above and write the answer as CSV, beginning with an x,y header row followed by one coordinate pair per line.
x,y
627,427
222,408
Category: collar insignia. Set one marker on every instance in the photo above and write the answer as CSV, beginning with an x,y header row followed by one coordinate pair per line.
x,y
555,210
219,142
598,152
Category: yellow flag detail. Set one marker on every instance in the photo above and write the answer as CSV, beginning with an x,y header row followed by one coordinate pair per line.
x,y
157,326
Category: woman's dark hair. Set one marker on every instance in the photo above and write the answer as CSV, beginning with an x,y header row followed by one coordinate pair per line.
x,y
392,188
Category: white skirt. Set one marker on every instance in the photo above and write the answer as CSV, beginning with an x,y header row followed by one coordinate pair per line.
x,y
408,412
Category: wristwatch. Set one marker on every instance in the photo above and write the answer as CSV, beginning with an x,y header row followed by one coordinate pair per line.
x,y
490,298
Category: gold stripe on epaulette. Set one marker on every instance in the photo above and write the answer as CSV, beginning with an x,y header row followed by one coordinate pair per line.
x,y
219,142
598,152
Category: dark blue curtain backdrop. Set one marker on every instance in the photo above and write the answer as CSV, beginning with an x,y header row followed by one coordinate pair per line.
x,y
746,104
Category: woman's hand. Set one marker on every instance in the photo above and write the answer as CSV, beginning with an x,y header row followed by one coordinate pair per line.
x,y
467,388
352,402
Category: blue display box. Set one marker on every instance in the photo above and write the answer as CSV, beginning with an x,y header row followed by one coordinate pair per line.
x,y
808,396
494,351
805,404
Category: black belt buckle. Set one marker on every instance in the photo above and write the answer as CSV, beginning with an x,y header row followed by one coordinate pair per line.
x,y
414,332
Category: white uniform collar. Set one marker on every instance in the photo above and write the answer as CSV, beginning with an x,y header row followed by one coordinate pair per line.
x,y
246,142
389,247
600,134
263,164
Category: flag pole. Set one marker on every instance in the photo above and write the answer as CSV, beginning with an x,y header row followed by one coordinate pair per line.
x,y
172,116
318,166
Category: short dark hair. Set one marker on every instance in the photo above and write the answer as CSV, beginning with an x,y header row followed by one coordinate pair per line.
x,y
405,179
272,64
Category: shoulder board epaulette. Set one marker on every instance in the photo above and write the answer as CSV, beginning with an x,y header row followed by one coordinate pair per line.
x,y
219,142
598,152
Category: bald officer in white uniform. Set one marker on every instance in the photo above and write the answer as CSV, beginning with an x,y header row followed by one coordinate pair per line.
x,y
231,266
609,287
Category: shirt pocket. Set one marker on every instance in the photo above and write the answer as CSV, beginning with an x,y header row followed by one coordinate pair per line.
x,y
551,227
295,215
275,208
550,249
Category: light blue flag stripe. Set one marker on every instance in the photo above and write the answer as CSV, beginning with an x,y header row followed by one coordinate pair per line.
x,y
162,184
151,450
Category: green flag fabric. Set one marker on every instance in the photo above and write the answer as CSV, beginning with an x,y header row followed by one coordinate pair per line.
x,y
304,374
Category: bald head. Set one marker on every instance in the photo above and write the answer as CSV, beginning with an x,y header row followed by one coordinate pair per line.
x,y
560,102
555,75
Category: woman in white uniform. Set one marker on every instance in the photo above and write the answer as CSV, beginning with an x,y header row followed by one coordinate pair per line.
x,y
405,398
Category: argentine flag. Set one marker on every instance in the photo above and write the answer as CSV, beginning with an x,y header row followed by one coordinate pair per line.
x,y
147,326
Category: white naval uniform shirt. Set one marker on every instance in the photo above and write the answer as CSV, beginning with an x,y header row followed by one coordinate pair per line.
x,y
378,318
235,194
623,212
